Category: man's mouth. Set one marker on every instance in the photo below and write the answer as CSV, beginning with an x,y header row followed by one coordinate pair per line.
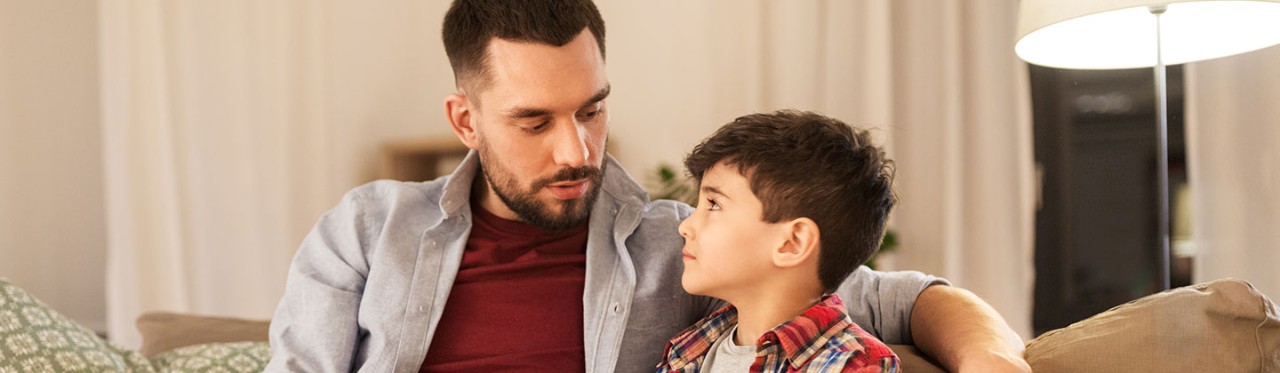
x,y
566,190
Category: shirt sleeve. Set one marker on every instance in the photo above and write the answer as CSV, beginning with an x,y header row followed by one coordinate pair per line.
x,y
314,328
881,302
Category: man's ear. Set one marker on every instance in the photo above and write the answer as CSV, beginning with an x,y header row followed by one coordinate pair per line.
x,y
457,111
800,245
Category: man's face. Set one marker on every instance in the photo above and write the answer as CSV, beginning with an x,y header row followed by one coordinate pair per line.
x,y
540,127
727,242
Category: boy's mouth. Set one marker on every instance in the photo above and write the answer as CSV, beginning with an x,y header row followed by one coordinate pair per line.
x,y
687,255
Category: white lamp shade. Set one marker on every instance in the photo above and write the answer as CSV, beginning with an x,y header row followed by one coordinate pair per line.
x,y
1116,34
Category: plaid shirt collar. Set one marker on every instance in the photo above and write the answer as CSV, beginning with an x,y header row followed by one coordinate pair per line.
x,y
799,338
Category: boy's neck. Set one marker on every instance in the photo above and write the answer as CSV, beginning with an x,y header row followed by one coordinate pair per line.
x,y
766,310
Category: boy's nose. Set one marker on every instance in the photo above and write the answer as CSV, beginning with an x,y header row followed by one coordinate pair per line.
x,y
684,229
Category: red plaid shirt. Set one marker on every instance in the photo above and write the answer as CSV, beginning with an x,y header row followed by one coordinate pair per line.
x,y
821,339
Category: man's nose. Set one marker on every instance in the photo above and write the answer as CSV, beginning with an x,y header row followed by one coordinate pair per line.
x,y
571,148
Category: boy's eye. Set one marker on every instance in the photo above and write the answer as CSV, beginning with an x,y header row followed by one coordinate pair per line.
x,y
712,204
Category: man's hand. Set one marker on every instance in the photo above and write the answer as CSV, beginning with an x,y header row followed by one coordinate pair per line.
x,y
964,333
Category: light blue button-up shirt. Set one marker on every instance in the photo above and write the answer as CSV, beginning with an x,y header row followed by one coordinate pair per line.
x,y
369,283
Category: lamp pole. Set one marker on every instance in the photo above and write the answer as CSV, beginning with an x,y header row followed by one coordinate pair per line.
x,y
1162,158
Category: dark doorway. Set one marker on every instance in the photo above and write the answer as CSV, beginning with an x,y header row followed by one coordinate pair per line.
x,y
1095,148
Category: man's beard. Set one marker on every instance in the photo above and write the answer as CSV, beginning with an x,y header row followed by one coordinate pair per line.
x,y
525,203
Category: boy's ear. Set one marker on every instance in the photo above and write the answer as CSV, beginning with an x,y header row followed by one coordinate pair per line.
x,y
801,243
458,112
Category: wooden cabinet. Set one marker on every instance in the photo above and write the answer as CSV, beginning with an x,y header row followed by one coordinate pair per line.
x,y
420,159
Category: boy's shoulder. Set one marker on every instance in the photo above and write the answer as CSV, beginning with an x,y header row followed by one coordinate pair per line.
x,y
835,343
821,339
855,350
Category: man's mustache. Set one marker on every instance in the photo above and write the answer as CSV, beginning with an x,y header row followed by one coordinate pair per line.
x,y
570,174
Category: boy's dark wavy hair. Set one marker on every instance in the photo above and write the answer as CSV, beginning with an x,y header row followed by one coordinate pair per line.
x,y
802,164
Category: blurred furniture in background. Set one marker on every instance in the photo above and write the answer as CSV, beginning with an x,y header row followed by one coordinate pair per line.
x,y
420,159
1122,34
1096,236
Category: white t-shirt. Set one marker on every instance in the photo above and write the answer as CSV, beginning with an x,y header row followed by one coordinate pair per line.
x,y
726,356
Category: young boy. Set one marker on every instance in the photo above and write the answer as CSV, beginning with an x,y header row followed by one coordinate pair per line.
x,y
789,204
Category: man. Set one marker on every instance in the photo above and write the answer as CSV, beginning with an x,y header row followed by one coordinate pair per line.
x,y
539,253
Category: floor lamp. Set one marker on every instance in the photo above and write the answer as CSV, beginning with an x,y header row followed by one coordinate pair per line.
x,y
1120,34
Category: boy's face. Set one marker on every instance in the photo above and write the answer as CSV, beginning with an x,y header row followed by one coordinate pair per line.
x,y
727,243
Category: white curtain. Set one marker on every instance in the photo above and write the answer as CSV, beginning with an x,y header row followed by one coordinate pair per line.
x,y
215,153
964,141
1233,134
230,126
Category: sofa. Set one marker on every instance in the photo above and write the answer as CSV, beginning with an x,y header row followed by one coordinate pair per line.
x,y
35,338
1219,326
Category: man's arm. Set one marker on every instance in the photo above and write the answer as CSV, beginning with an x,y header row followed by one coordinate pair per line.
x,y
964,333
314,328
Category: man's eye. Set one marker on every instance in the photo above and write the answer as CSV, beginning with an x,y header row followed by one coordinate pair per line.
x,y
590,115
537,128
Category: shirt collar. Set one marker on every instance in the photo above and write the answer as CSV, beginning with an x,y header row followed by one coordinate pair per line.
x,y
693,342
807,334
800,338
457,189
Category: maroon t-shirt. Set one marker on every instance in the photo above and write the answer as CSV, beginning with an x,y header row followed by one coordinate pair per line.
x,y
516,304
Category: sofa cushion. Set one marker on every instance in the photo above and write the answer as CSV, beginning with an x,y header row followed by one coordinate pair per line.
x,y
164,331
230,357
35,338
1220,326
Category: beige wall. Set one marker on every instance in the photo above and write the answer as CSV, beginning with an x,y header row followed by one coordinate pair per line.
x,y
52,231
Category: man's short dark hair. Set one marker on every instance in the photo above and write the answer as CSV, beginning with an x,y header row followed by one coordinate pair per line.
x,y
801,164
470,25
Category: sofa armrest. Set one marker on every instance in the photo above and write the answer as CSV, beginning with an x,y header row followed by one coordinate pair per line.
x,y
165,331
1220,326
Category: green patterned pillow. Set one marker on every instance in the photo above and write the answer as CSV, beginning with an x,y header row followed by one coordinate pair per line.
x,y
34,338
215,357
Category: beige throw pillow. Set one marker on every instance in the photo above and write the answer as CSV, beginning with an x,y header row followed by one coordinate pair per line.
x,y
1220,326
